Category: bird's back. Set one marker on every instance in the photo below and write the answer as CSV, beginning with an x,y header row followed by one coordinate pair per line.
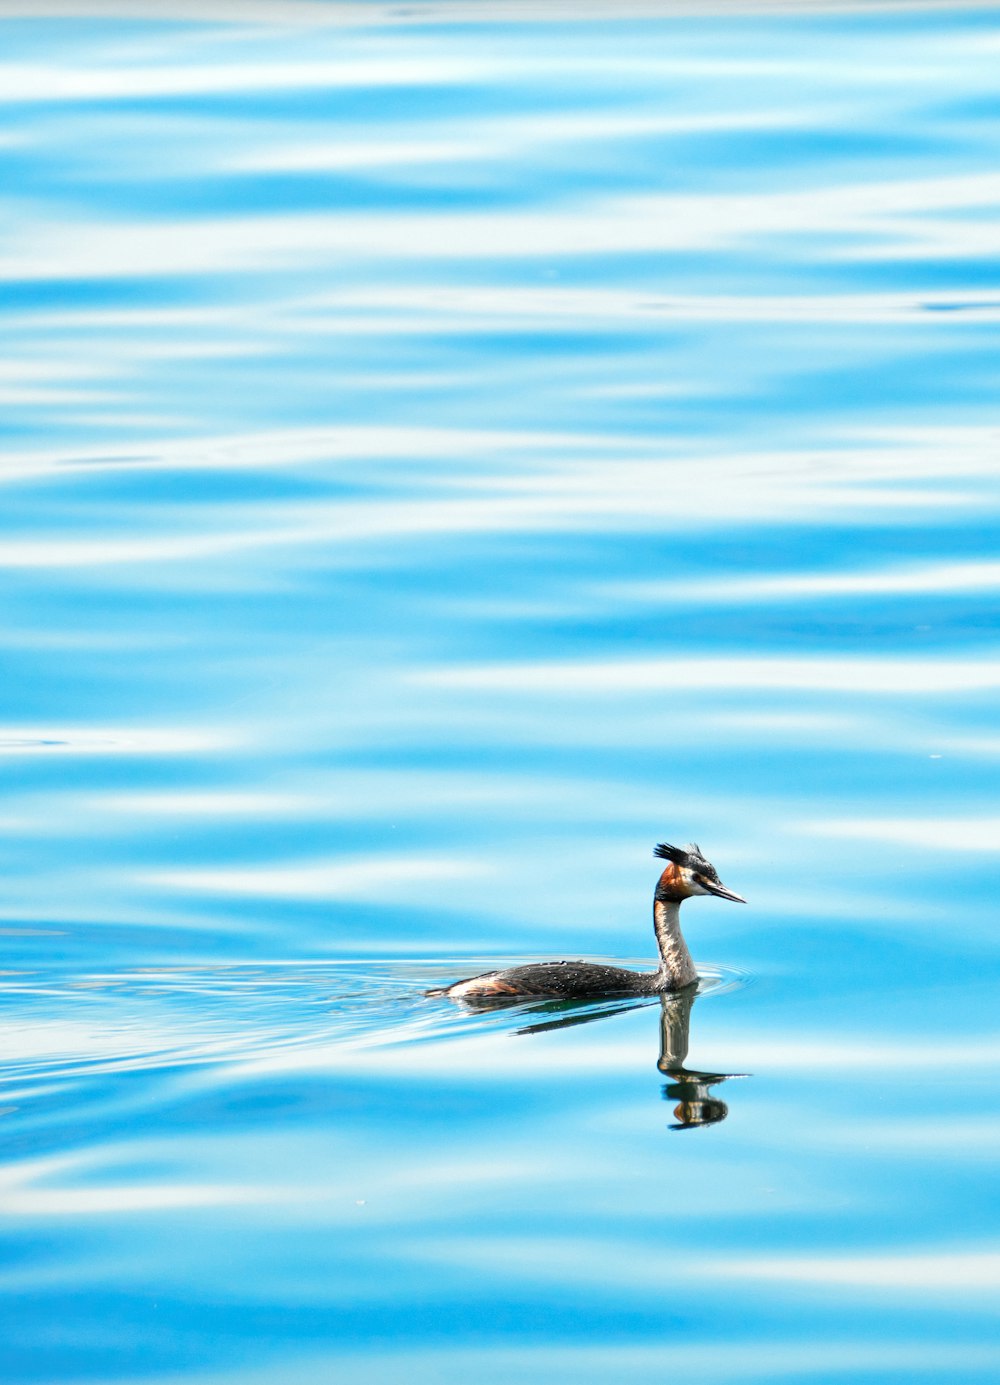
x,y
564,980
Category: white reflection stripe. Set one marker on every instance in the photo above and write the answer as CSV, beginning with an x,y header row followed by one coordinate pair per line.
x,y
108,740
351,525
209,804
936,1273
493,139
913,676
617,1265
26,82
273,448
15,397
350,155
931,834
99,1201
876,211
312,14
417,310
573,462
760,1359
307,13
550,305
942,577
38,372
373,878
823,1057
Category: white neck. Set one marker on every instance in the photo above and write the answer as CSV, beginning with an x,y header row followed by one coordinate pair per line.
x,y
676,965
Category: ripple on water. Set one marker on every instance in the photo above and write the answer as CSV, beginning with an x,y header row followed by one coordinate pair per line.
x,y
68,1025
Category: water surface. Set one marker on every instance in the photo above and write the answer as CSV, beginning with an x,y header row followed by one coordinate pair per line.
x,y
447,450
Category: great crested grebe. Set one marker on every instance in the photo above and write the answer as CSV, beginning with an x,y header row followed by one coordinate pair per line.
x,y
688,873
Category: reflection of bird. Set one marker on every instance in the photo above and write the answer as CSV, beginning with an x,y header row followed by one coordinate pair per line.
x,y
689,1088
687,873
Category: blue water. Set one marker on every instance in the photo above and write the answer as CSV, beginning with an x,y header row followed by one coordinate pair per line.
x,y
449,449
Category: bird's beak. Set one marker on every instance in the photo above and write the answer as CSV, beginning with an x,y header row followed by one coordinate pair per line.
x,y
716,887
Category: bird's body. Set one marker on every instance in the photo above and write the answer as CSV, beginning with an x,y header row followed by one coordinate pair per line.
x,y
688,873
560,980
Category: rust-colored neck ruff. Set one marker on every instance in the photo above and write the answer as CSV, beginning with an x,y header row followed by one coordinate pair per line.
x,y
676,966
671,884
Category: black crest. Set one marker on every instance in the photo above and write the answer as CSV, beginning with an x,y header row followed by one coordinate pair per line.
x,y
689,856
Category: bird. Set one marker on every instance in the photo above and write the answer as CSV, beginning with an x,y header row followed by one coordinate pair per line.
x,y
687,873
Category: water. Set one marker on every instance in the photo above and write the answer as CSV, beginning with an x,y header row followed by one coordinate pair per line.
x,y
448,450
